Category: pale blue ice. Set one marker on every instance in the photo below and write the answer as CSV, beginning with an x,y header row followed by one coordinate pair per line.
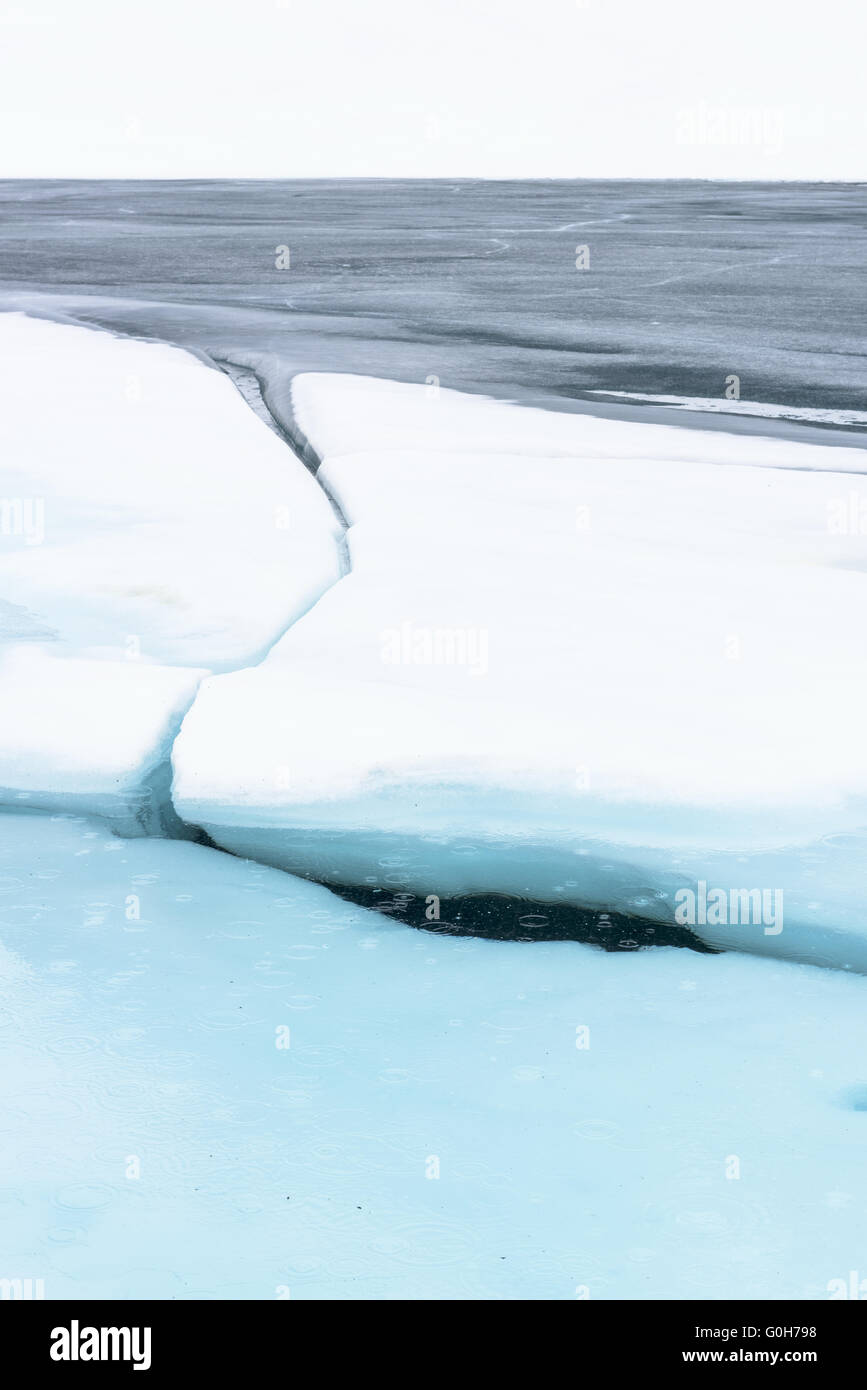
x,y
451,1119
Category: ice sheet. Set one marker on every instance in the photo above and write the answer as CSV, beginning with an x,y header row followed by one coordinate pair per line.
x,y
150,528
143,501
450,1119
603,675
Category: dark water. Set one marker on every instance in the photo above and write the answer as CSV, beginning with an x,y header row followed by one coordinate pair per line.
x,y
501,917
474,282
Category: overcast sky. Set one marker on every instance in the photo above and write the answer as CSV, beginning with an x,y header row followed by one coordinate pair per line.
x,y
523,88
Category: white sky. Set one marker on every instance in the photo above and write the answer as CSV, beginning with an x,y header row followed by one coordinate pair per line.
x,y
520,88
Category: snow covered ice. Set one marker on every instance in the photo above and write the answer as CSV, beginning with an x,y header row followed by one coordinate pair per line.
x,y
152,530
574,660
169,512
90,736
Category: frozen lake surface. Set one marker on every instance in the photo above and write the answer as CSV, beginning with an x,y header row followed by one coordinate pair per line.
x,y
221,1080
472,282
450,1118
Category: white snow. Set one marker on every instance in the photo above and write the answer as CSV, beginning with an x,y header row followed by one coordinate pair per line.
x,y
450,1118
344,414
575,659
152,502
151,528
90,736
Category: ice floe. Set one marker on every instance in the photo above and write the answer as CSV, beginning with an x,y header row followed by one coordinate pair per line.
x,y
151,528
141,497
345,414
91,736
575,660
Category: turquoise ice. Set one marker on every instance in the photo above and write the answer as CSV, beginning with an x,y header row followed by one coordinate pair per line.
x,y
451,1118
